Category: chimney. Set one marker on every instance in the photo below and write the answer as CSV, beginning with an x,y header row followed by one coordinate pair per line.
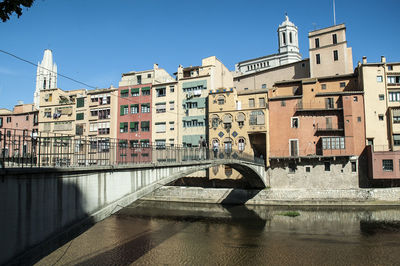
x,y
383,59
364,59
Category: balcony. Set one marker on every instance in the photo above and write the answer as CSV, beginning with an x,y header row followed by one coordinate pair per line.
x,y
317,107
329,128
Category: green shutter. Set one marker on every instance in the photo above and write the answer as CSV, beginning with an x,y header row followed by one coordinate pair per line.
x,y
134,105
124,91
79,116
132,124
80,102
145,88
134,90
145,124
121,125
201,103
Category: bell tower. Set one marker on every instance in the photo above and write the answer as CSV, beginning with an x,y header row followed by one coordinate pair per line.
x,y
288,37
46,76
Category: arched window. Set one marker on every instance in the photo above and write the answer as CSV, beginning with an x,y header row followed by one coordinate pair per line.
x,y
257,118
241,144
240,117
227,121
283,38
228,171
221,100
290,37
214,121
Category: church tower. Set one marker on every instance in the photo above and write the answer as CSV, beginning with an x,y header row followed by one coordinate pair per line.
x,y
288,37
46,76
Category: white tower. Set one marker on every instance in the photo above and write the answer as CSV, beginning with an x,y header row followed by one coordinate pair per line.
x,y
287,37
46,76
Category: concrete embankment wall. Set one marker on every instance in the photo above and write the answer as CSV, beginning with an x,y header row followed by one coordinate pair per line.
x,y
382,196
39,205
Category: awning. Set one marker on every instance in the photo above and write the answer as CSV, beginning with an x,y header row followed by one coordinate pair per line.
x,y
145,124
125,91
133,124
135,90
145,88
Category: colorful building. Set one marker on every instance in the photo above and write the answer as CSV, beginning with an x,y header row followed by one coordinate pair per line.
x,y
381,84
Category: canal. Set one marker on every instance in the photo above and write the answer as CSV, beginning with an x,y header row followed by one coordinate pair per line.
x,y
160,233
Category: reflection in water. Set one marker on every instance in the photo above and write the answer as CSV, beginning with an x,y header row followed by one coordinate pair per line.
x,y
156,233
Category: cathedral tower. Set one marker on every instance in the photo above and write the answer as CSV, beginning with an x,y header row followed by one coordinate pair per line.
x,y
46,76
288,37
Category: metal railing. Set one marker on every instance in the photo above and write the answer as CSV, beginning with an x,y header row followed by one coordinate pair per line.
x,y
26,149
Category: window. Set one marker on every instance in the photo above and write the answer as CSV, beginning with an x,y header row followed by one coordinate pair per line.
x,y
257,118
396,119
214,121
294,122
246,89
290,37
393,79
145,108
160,92
329,103
125,93
171,125
396,139
9,119
145,126
261,102
308,169
294,147
148,76
334,38
27,118
355,99
379,79
381,97
123,127
359,119
221,100
316,42
283,38
160,107
145,91
251,102
144,143
160,127
380,117
124,110
79,116
241,144
134,126
354,167
171,105
292,167
80,102
318,58
263,86
323,86
139,79
394,96
333,143
134,92
283,103
134,108
171,88
327,166
160,143
370,142
335,55
1,121
390,67
387,165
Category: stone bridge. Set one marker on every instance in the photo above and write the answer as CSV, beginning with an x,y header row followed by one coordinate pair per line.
x,y
40,206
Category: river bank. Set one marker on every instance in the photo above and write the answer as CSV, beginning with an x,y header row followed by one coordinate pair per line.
x,y
269,196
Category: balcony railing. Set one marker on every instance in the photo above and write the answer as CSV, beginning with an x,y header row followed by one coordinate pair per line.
x,y
333,128
317,107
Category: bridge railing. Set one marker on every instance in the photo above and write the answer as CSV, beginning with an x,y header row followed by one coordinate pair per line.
x,y
19,148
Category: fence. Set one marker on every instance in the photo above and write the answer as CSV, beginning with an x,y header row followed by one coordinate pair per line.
x,y
20,148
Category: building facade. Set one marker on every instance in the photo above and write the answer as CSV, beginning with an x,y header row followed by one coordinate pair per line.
x,y
328,51
381,84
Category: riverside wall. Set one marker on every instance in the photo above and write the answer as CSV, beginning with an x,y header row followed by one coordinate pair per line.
x,y
356,196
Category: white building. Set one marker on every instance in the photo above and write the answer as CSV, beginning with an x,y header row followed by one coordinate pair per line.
x,y
288,51
46,76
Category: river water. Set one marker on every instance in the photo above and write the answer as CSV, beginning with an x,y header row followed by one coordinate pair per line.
x,y
164,233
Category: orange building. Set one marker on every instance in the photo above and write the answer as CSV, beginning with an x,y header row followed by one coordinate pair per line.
x,y
317,125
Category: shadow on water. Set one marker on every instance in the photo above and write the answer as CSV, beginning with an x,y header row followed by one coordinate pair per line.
x,y
369,228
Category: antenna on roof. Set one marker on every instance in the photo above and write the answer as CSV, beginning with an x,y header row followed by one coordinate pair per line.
x,y
334,13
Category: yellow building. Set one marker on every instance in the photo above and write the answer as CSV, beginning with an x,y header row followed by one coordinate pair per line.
x,y
238,125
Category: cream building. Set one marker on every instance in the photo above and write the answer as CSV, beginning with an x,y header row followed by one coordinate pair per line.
x,y
381,84
238,125
194,85
328,51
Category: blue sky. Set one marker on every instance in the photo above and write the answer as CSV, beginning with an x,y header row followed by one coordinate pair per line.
x,y
94,41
